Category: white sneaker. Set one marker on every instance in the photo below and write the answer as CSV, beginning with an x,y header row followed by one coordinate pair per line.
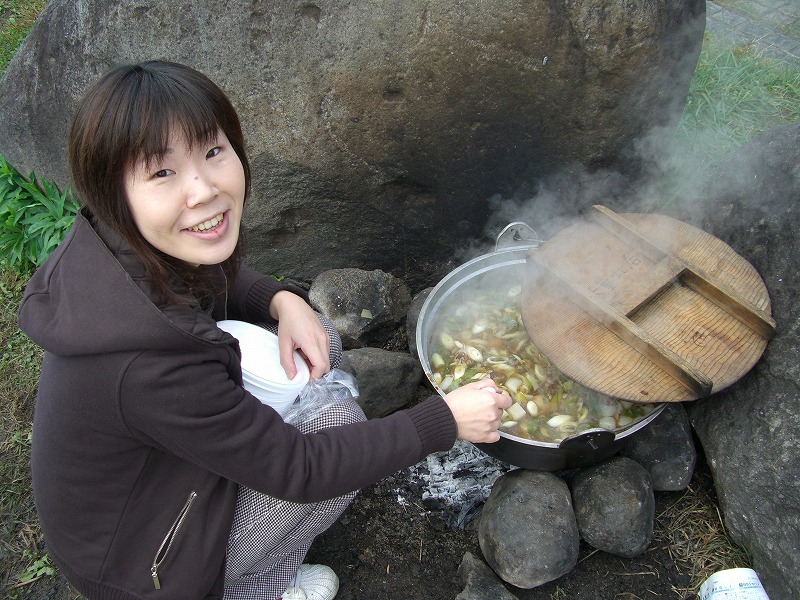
x,y
313,582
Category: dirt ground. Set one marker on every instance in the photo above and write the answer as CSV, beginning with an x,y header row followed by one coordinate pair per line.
x,y
385,549
391,545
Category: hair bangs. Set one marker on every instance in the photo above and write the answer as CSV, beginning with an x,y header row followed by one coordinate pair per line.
x,y
168,109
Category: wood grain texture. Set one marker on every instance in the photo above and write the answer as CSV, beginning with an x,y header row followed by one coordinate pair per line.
x,y
645,307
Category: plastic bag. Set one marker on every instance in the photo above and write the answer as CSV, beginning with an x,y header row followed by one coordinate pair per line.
x,y
320,394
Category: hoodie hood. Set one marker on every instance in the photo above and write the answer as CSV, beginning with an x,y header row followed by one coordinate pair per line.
x,y
93,279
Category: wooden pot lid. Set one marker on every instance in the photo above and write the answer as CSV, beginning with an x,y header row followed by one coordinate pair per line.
x,y
645,307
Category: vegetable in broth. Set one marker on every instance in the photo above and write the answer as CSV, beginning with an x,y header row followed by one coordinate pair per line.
x,y
485,337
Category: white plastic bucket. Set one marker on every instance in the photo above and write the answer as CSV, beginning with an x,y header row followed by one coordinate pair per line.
x,y
262,374
280,401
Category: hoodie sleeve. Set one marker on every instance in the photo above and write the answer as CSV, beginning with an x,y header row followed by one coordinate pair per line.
x,y
189,406
252,293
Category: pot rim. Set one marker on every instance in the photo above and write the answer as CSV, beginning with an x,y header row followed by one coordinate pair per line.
x,y
475,267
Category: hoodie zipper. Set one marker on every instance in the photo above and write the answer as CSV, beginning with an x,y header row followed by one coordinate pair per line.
x,y
166,544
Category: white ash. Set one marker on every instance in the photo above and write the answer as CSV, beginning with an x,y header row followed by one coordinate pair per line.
x,y
457,483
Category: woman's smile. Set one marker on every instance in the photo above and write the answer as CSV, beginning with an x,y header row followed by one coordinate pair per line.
x,y
213,225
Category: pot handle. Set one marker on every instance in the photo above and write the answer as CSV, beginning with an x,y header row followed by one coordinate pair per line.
x,y
517,234
589,442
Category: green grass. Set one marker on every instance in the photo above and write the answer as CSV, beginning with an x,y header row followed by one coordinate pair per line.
x,y
16,19
734,96
753,10
21,547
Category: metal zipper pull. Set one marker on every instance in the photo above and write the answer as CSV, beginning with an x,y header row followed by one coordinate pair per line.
x,y
164,549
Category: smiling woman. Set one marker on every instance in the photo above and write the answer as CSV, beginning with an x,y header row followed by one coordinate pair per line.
x,y
199,490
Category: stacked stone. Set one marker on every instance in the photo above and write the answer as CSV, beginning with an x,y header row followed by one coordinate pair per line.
x,y
532,523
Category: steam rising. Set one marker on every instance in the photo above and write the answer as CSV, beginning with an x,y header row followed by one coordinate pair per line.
x,y
670,181
666,171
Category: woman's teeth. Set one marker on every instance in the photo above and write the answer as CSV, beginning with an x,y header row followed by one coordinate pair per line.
x,y
206,225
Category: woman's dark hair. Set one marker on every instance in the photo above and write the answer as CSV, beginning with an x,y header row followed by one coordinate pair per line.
x,y
126,117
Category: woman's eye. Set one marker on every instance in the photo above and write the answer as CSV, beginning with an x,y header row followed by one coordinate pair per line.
x,y
213,152
162,173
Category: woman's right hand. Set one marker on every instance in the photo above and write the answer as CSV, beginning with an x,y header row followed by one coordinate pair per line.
x,y
478,408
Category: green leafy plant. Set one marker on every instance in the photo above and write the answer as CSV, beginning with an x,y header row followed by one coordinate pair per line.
x,y
40,567
34,217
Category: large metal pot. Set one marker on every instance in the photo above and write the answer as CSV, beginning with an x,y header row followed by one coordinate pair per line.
x,y
508,261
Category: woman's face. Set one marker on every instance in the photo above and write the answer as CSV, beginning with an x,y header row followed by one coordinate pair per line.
x,y
189,203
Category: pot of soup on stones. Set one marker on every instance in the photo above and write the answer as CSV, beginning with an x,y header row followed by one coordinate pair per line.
x,y
594,331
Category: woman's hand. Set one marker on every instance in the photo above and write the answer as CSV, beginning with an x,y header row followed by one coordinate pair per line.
x,y
300,329
478,408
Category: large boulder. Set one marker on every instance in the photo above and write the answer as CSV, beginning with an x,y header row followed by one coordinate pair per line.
x,y
377,130
751,431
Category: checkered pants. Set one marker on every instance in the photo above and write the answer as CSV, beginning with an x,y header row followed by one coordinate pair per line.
x,y
270,537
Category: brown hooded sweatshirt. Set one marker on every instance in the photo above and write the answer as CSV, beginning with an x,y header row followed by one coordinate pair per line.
x,y
142,429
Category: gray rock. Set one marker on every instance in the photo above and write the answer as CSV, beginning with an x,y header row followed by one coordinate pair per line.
x,y
395,120
386,380
666,449
615,506
367,307
750,431
413,318
480,582
527,532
